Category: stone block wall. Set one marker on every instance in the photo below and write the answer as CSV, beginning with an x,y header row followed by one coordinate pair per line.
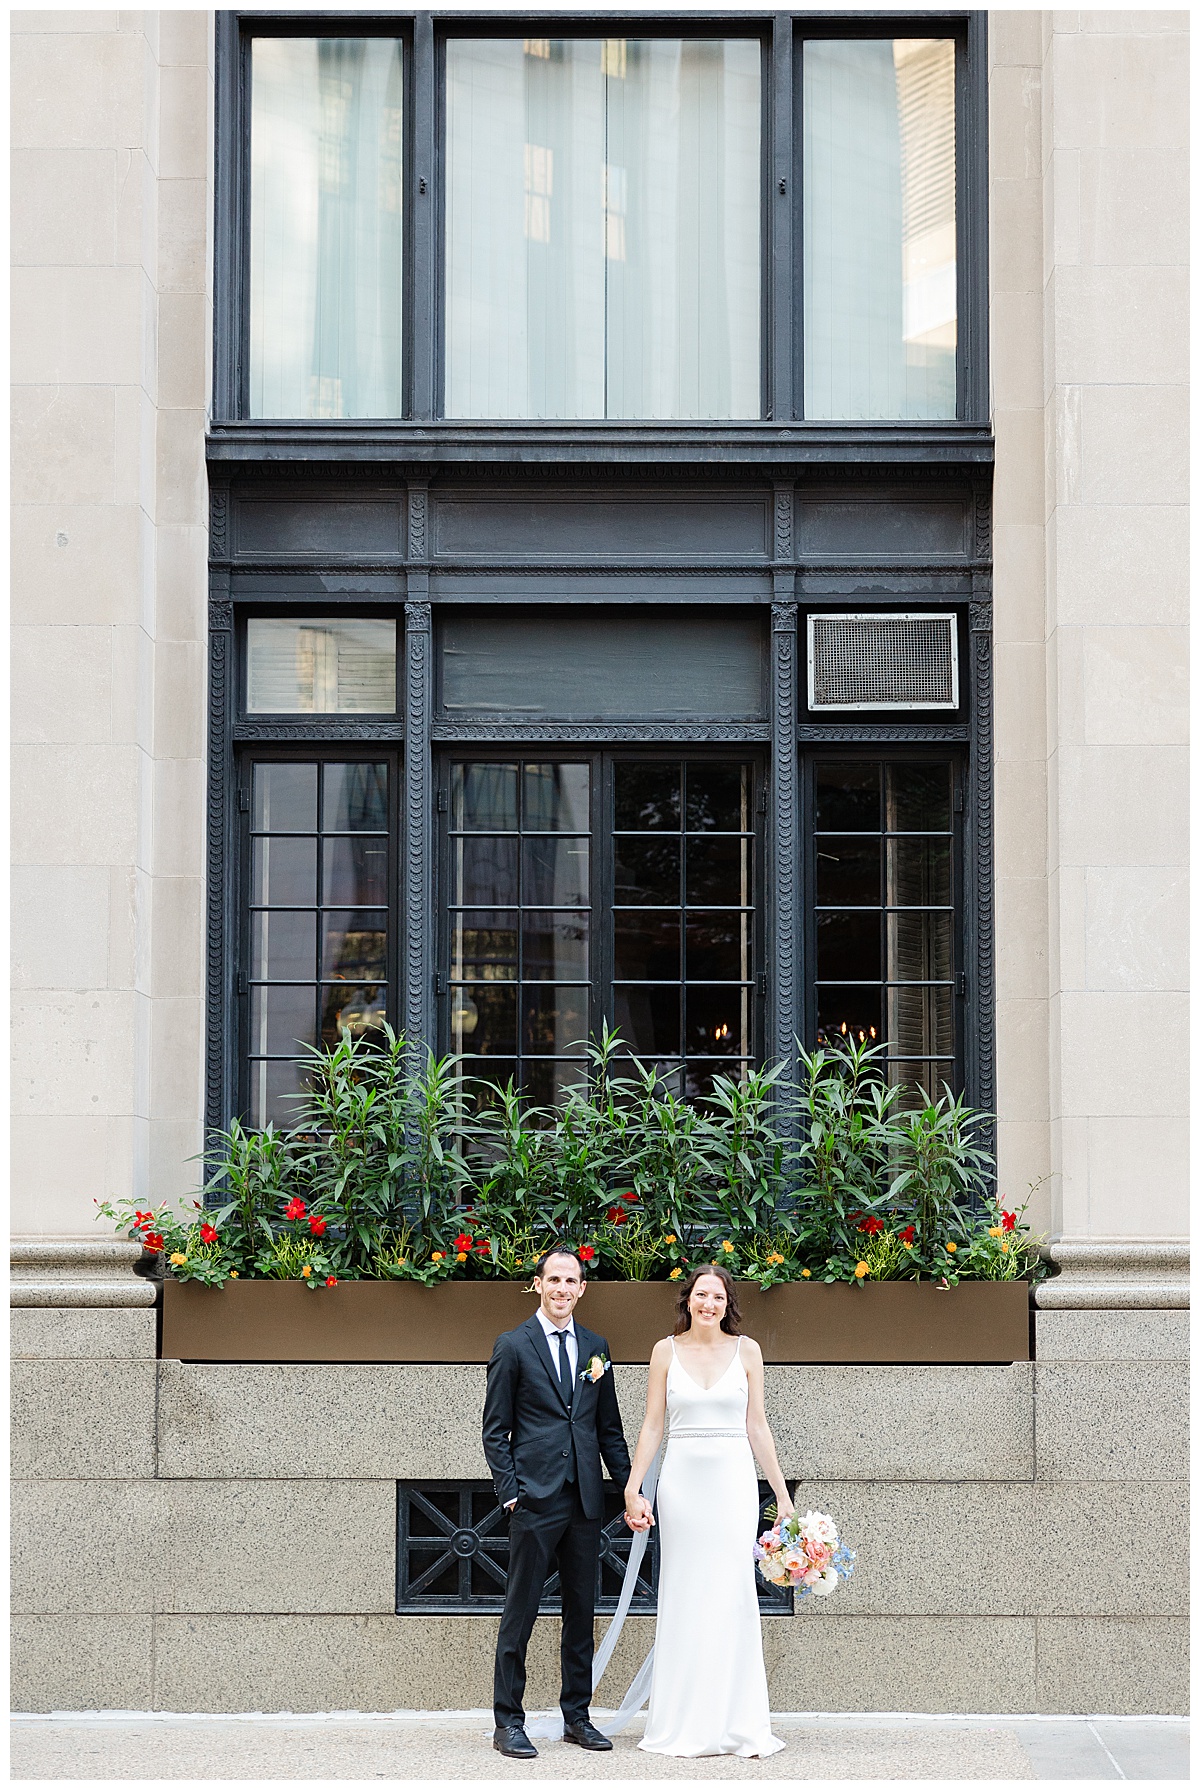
x,y
216,1537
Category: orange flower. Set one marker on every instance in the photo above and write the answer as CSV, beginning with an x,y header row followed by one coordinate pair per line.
x,y
861,1271
233,1274
806,1273
727,1246
670,1237
437,1256
674,1274
461,1256
952,1247
305,1271
994,1230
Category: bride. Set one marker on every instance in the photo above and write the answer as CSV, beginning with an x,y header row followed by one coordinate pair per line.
x,y
709,1690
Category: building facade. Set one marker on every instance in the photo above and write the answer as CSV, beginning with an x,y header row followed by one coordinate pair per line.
x,y
439,447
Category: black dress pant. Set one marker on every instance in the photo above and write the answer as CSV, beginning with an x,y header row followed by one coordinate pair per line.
x,y
562,1537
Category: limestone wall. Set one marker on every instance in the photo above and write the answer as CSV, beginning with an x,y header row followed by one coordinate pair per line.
x,y
231,1531
111,322
1089,251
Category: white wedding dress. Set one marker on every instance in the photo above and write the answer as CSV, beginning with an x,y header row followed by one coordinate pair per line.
x,y
709,1691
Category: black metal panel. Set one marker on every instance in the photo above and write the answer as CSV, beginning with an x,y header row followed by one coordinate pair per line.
x,y
895,526
556,525
318,525
601,665
452,1554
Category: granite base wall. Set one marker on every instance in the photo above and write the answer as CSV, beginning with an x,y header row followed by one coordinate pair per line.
x,y
193,1537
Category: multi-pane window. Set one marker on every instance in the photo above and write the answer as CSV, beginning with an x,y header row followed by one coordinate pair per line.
x,y
880,261
603,239
326,227
884,881
319,918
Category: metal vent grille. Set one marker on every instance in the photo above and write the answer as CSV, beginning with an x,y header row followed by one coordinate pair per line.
x,y
882,662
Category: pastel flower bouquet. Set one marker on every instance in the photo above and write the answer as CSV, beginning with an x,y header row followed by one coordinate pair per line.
x,y
804,1551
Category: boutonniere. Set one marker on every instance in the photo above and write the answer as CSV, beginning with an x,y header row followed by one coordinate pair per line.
x,y
596,1368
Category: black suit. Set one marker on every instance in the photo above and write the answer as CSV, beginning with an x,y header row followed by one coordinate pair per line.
x,y
547,1454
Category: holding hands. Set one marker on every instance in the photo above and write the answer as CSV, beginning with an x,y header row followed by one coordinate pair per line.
x,y
639,1513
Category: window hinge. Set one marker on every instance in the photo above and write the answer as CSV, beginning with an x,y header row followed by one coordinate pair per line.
x,y
762,982
762,799
439,984
243,801
242,984
962,981
958,798
443,801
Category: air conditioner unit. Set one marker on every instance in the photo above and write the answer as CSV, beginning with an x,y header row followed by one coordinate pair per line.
x,y
883,661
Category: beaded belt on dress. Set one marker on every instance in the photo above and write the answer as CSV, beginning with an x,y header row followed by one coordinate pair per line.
x,y
687,1435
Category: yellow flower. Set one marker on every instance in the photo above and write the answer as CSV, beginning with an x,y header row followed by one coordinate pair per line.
x,y
233,1274
670,1237
305,1271
520,1261
774,1256
994,1230
177,1260
952,1247
461,1256
806,1273
861,1271
1004,1249
437,1256
401,1260
727,1246
674,1274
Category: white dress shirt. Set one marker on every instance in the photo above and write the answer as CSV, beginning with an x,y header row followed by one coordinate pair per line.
x,y
557,1339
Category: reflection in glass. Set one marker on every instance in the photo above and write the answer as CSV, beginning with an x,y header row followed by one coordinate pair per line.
x,y
645,945
847,871
483,1019
555,946
847,798
918,798
283,946
556,798
918,872
484,871
321,668
718,798
603,200
718,948
281,1019
358,1011
326,227
848,947
484,946
647,798
848,1013
648,1019
646,872
276,1089
354,871
355,798
354,946
919,1020
285,798
554,1020
718,872
718,1021
546,1081
283,872
554,872
483,798
880,282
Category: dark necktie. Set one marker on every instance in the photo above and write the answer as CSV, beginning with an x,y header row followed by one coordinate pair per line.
x,y
565,1377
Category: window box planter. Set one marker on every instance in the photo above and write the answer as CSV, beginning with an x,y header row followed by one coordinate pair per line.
x,y
894,1321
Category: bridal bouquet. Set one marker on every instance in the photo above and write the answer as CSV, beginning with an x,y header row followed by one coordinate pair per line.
x,y
804,1551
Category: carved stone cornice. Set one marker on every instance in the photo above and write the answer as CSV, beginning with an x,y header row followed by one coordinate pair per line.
x,y
68,1271
1117,1274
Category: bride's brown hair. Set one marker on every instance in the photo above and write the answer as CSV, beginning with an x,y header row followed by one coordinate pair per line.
x,y
731,1323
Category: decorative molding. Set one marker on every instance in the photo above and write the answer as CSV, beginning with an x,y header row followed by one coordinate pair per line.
x,y
315,733
217,970
418,518
601,733
783,845
784,505
749,566
983,524
220,614
980,917
98,1272
814,733
218,518
417,830
1117,1274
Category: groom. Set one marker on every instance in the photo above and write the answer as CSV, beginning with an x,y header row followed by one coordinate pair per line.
x,y
549,1415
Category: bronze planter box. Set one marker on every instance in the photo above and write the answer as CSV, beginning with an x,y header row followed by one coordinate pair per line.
x,y
371,1320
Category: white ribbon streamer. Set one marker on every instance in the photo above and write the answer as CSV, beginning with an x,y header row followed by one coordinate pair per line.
x,y
550,1727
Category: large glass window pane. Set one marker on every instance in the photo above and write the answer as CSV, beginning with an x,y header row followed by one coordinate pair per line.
x,y
320,667
603,200
326,227
880,306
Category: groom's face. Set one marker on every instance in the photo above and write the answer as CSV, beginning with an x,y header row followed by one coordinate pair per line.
x,y
560,1287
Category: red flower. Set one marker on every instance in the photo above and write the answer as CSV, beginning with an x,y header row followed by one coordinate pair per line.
x,y
1008,1221
331,1280
908,1233
630,1199
462,1241
208,1233
483,1246
617,1215
152,1240
587,1253
316,1226
871,1226
295,1209
142,1219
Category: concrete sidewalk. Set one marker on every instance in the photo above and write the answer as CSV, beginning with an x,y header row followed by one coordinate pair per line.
x,y
457,1747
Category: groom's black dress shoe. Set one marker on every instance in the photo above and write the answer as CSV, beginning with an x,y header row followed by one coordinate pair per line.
x,y
514,1743
583,1734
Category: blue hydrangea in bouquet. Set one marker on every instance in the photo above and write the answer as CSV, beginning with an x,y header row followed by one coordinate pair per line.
x,y
804,1551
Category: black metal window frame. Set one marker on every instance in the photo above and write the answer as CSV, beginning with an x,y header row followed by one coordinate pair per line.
x,y
602,760
468,1547
423,36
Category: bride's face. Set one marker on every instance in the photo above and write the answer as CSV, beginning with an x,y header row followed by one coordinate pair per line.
x,y
707,1300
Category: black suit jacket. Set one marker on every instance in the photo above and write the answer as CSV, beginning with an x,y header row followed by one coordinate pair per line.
x,y
529,1438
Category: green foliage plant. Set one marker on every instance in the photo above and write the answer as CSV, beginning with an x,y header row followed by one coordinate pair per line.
x,y
940,1169
846,1113
743,1152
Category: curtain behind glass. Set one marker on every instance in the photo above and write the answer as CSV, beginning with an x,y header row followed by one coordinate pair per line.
x,y
880,326
603,206
326,227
